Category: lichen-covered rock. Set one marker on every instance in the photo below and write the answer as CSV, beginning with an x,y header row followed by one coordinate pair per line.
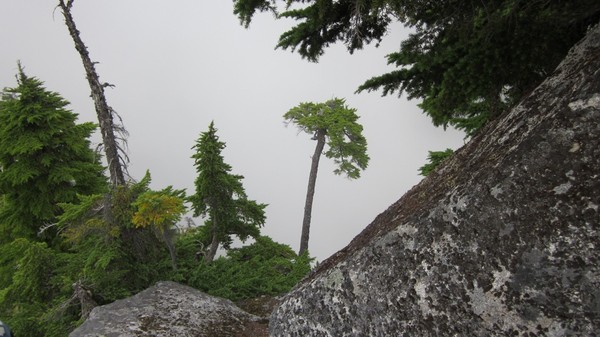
x,y
261,306
503,240
170,309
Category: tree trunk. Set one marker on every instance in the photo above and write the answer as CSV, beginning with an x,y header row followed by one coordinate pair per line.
x,y
167,236
214,245
310,193
173,254
104,112
84,295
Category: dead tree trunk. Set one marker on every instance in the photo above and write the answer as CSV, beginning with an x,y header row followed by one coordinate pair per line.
x,y
84,296
112,150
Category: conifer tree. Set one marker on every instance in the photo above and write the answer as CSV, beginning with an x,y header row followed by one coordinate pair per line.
x,y
467,60
221,198
45,158
336,124
160,210
434,159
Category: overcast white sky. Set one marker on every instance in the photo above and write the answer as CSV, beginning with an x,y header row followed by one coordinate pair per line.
x,y
179,64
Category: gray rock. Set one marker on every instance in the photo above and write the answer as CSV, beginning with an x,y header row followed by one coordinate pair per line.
x,y
169,309
502,240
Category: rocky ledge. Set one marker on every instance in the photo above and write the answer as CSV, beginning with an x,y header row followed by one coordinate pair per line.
x,y
170,309
503,240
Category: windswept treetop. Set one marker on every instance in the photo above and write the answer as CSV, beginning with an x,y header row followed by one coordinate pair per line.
x,y
339,125
336,124
467,60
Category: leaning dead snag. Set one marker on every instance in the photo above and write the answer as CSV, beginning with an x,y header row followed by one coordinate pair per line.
x,y
115,156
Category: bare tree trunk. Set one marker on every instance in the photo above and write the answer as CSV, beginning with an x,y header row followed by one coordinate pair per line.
x,y
167,236
310,193
84,295
214,245
104,112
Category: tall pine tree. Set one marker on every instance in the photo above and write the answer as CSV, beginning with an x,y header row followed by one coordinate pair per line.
x,y
221,198
335,124
45,158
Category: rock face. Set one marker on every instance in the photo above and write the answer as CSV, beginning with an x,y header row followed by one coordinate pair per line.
x,y
170,309
503,240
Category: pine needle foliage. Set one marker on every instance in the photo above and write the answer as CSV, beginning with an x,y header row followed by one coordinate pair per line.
x,y
434,159
346,144
26,286
118,256
161,209
45,158
465,60
221,198
262,268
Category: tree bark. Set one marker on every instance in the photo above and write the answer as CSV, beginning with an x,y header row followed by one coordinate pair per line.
x,y
167,236
310,193
104,112
214,245
84,295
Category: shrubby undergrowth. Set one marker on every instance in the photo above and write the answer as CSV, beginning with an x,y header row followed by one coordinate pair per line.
x,y
71,242
262,268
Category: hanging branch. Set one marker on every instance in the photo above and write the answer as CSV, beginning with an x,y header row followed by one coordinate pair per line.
x,y
115,154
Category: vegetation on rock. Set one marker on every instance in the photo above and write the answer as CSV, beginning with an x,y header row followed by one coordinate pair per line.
x,y
72,238
103,243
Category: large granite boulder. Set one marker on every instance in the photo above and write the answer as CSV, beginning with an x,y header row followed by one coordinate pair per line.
x,y
169,309
503,240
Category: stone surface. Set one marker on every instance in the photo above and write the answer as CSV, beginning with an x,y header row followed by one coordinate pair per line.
x,y
502,240
260,306
170,309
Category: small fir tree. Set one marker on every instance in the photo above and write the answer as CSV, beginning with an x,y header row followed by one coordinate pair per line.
x,y
221,198
434,159
45,158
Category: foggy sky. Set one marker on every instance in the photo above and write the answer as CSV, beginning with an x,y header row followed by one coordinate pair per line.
x,y
178,65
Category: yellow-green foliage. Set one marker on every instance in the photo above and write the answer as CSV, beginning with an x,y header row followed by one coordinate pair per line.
x,y
157,209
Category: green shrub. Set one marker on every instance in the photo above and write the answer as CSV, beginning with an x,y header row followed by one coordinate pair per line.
x,y
262,268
